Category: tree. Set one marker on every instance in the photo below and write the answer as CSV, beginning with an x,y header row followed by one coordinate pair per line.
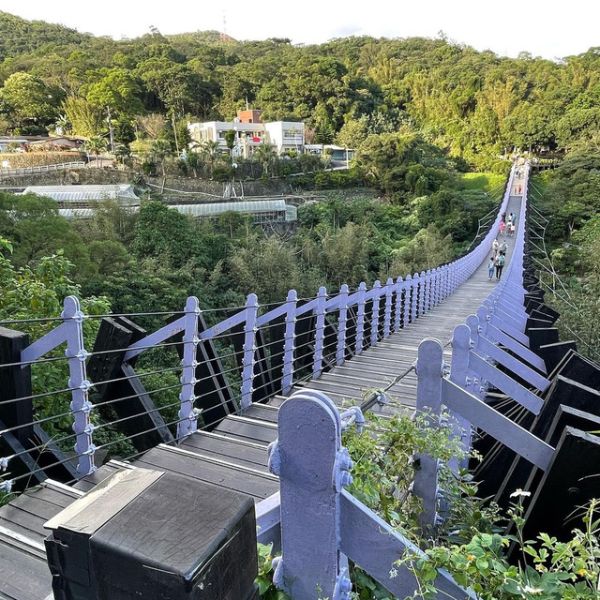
x,y
426,250
400,163
177,86
160,151
152,125
109,257
165,234
123,153
266,155
118,90
84,119
344,254
572,196
230,136
95,145
353,133
110,221
209,151
268,269
29,102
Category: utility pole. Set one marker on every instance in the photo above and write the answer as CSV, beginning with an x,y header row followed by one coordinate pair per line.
x,y
174,125
110,129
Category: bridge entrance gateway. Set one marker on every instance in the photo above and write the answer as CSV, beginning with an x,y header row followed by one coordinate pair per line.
x,y
306,369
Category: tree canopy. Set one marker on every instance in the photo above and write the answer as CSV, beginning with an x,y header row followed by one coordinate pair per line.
x,y
473,104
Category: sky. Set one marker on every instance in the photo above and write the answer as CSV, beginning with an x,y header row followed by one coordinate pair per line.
x,y
548,28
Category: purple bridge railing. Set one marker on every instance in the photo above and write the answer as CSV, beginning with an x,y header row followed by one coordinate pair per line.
x,y
320,526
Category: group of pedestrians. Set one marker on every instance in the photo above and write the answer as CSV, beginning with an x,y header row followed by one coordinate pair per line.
x,y
498,258
509,226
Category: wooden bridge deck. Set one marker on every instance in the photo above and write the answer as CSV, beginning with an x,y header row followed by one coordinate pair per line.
x,y
234,455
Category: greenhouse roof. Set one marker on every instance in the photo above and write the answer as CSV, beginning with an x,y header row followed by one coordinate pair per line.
x,y
208,210
84,193
245,206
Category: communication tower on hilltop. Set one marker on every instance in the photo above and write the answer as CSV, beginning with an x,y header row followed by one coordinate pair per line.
x,y
224,36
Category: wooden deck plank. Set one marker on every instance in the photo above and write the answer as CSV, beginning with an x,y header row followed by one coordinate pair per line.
x,y
232,449
23,575
247,429
255,484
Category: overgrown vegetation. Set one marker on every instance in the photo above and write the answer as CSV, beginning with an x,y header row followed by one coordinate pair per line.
x,y
151,260
569,260
472,543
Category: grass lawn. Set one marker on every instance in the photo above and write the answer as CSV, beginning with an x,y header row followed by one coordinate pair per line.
x,y
486,182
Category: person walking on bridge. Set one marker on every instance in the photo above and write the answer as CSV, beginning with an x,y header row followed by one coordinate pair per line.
x,y
503,247
502,227
495,246
500,260
491,267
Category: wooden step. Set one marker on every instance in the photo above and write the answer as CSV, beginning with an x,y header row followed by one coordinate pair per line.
x,y
262,412
250,430
231,449
215,471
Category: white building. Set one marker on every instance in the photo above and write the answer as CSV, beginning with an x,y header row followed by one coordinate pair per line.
x,y
283,135
286,135
247,134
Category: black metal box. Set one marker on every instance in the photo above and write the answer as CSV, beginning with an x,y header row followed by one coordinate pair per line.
x,y
154,536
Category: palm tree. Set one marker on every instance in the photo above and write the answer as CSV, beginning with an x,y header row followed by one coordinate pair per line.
x,y
95,145
161,149
266,155
210,151
122,152
61,125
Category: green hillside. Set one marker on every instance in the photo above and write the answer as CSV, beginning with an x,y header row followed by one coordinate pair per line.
x,y
18,36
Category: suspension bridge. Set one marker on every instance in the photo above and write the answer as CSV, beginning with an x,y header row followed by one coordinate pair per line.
x,y
250,450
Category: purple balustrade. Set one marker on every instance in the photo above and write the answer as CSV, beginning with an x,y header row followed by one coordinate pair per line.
x,y
289,343
79,384
340,351
387,311
320,311
188,422
249,356
360,317
376,295
399,286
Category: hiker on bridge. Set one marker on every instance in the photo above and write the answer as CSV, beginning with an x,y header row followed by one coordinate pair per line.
x,y
502,227
491,266
503,247
500,260
495,246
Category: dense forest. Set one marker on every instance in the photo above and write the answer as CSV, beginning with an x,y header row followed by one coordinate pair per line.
x,y
474,105
152,260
